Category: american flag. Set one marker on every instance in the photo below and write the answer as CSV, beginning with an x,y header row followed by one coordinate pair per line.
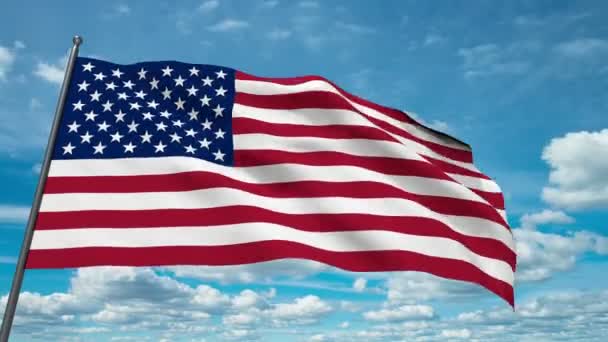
x,y
169,163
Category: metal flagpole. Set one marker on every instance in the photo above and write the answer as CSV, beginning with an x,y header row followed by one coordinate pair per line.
x,y
13,296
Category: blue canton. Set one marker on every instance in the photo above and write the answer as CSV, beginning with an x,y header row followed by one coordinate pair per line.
x,y
149,109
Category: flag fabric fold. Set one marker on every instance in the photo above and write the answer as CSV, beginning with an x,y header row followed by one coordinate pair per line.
x,y
170,163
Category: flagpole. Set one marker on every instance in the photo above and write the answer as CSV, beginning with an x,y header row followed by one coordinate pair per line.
x,y
13,297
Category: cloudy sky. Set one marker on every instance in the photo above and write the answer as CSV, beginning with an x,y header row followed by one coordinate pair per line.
x,y
523,82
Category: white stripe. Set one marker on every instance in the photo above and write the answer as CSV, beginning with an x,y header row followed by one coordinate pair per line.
x,y
355,147
482,184
269,88
309,117
254,232
280,173
221,197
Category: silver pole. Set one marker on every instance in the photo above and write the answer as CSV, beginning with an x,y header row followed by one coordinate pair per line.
x,y
13,296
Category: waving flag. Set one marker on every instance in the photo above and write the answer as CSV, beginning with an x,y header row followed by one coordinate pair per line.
x,y
168,163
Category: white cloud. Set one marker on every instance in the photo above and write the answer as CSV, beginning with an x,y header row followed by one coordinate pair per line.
x,y
306,309
209,5
438,125
456,333
122,9
279,34
228,25
269,4
13,213
52,72
578,175
7,59
583,48
359,284
547,216
263,272
491,59
354,28
401,313
19,44
344,325
540,255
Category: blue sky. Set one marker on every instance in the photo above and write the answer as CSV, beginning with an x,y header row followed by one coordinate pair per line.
x,y
523,82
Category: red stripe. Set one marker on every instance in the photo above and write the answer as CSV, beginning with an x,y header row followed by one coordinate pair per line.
x,y
199,180
373,261
243,214
494,198
391,112
326,100
389,166
451,168
248,126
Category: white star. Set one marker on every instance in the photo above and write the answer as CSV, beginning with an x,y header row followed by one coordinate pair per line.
x,y
207,81
73,127
91,116
110,86
148,116
107,107
220,92
95,96
135,105
221,74
142,74
146,137
120,116
128,84
83,86
193,114
130,147
192,91
166,93
178,123
175,137
133,126
165,114
100,76
86,138
205,100
154,84
204,143
123,96
194,71
153,104
180,103
206,125
116,136
140,94
78,105
68,148
117,73
88,67
99,148
103,127
190,149
190,133
160,147
219,134
219,155
161,127
218,111
179,81
167,71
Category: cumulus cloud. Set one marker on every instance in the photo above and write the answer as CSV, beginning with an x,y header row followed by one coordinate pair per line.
x,y
547,216
578,175
401,313
52,72
303,310
360,284
208,6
